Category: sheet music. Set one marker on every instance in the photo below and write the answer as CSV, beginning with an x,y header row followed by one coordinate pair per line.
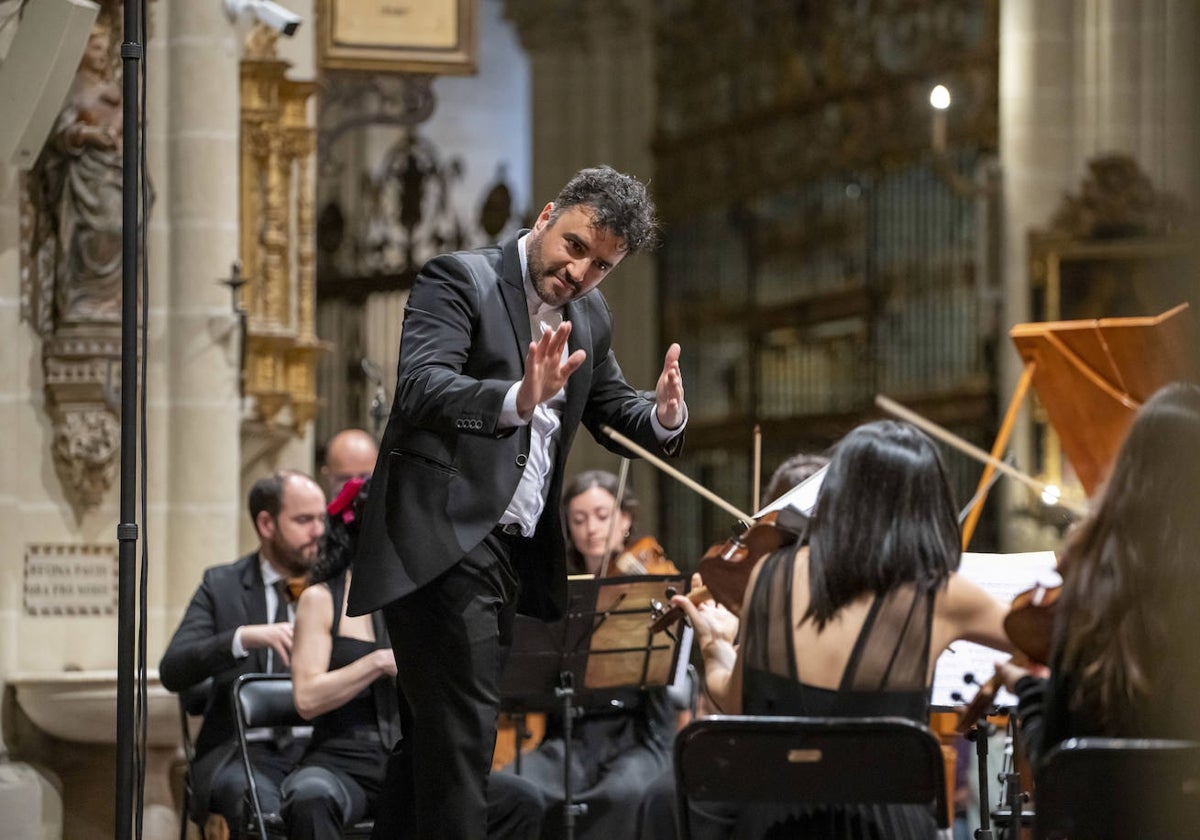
x,y
1004,576
802,497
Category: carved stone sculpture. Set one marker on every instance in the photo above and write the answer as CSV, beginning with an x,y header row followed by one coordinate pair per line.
x,y
71,270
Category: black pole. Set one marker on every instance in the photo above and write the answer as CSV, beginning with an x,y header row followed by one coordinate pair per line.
x,y
979,733
127,530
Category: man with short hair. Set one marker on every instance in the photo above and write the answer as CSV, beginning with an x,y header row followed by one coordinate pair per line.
x,y
240,622
505,350
351,453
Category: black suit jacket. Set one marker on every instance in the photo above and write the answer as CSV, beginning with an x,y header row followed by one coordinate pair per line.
x,y
229,596
447,470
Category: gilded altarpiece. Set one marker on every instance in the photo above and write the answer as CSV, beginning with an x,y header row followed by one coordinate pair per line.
x,y
276,241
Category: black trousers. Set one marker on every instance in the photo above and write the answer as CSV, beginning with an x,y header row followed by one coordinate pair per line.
x,y
451,639
227,784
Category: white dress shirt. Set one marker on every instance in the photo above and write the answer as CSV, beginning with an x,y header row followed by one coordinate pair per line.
x,y
269,576
529,500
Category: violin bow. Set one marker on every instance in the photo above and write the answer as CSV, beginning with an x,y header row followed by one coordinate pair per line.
x,y
756,459
1039,487
622,478
677,475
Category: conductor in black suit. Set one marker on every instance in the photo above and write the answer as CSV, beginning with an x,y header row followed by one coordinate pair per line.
x,y
505,350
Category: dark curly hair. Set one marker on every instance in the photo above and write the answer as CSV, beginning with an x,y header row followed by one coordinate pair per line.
x,y
618,202
339,540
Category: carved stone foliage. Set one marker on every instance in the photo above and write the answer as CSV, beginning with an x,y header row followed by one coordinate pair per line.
x,y
71,268
752,96
351,101
86,442
1118,199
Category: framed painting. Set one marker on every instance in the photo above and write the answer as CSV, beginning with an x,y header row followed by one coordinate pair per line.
x,y
397,36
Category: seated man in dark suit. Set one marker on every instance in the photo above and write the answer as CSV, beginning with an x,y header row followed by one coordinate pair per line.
x,y
240,622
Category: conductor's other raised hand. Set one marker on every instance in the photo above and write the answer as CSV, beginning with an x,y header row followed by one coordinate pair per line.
x,y
668,393
545,370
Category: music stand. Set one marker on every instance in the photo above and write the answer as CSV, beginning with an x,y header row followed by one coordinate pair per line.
x,y
602,643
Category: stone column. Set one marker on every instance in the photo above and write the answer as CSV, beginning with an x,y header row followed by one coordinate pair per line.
x,y
194,238
1076,80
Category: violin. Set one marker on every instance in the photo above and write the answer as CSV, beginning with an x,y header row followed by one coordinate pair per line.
x,y
726,566
1030,626
644,557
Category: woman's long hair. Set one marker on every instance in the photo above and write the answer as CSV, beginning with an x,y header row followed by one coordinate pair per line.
x,y
581,483
340,539
885,516
1128,608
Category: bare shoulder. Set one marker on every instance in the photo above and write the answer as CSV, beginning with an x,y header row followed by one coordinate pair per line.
x,y
316,601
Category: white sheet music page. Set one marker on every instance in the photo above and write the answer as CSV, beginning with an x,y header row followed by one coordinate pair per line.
x,y
1004,576
802,497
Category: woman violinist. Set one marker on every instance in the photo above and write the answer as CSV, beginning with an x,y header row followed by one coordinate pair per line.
x,y
850,622
598,535
1123,660
623,739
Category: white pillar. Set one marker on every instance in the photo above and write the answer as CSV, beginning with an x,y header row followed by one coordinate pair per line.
x,y
194,417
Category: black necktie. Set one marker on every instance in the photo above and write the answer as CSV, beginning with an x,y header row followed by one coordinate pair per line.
x,y
281,616
281,601
281,735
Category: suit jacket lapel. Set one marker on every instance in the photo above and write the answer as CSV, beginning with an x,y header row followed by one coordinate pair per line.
x,y
580,383
254,599
512,289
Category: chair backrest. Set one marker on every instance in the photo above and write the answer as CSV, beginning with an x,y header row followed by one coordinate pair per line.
x,y
261,700
193,702
811,761
1097,788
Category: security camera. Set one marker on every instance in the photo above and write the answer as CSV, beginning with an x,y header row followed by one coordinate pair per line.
x,y
283,21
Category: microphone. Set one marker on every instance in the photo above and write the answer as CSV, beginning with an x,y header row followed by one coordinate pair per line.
x,y
371,369
378,410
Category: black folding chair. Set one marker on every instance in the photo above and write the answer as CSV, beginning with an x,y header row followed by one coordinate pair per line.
x,y
265,700
746,760
1102,788
193,702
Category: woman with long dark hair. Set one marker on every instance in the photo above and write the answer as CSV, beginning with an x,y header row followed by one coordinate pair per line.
x,y
1123,662
851,621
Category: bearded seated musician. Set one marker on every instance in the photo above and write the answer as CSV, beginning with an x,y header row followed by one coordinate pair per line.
x,y
226,632
1123,663
850,622
622,740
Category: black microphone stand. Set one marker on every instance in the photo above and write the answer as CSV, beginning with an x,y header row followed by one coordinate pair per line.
x,y
127,529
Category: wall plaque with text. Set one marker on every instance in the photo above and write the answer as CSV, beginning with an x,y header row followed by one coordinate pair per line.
x,y
69,579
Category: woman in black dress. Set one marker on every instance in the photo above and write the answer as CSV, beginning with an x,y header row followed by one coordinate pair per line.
x,y
851,621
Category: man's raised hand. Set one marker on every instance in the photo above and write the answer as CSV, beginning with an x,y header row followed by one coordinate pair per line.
x,y
668,393
545,371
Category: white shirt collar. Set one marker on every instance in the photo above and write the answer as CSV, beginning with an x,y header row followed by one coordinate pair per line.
x,y
534,305
269,573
